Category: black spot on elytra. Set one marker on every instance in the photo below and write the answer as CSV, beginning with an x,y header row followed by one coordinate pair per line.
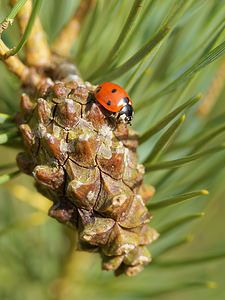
x,y
126,100
114,90
99,89
108,102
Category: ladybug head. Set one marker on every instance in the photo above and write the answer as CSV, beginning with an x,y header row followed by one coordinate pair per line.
x,y
125,114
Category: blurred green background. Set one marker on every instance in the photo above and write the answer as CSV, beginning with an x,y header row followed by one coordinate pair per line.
x,y
37,257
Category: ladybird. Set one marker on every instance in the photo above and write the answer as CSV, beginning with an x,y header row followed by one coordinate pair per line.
x,y
113,98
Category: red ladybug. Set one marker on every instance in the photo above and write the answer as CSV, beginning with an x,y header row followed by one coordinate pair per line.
x,y
113,98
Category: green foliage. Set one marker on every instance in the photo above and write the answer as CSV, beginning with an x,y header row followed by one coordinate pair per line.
x,y
28,29
161,68
166,119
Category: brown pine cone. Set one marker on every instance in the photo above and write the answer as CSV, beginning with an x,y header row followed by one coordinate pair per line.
x,y
86,163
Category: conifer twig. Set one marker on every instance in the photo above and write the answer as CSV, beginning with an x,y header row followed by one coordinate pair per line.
x,y
69,33
27,31
18,68
37,50
10,18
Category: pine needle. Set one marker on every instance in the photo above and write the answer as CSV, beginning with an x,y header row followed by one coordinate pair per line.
x,y
6,177
122,37
189,73
208,137
173,245
4,118
182,161
190,261
27,31
136,58
162,123
165,228
163,141
10,18
16,8
6,137
176,199
178,287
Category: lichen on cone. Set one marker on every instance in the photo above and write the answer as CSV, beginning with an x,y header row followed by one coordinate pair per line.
x,y
86,163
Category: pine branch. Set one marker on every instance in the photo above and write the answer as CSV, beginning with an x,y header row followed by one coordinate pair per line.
x,y
27,31
37,49
18,68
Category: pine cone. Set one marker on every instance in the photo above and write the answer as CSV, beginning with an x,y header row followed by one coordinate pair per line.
x,y
86,163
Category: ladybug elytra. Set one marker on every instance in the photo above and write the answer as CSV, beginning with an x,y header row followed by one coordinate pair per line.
x,y
113,98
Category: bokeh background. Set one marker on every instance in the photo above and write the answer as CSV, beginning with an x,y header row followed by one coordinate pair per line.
x,y
37,257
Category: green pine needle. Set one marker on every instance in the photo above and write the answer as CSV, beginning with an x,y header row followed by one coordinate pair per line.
x,y
173,245
163,141
6,137
178,287
16,8
4,118
190,261
27,31
175,199
165,228
6,177
208,137
206,176
162,123
122,37
189,73
168,65
182,161
136,58
143,66
10,18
